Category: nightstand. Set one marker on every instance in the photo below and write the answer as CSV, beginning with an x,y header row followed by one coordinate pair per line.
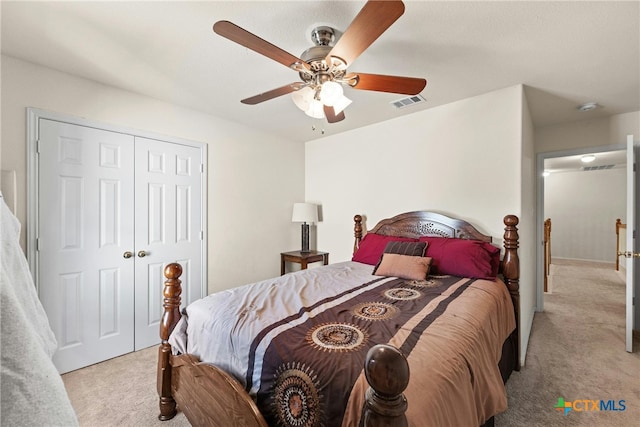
x,y
303,258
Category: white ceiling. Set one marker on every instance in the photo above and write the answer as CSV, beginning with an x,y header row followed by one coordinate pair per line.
x,y
565,53
604,159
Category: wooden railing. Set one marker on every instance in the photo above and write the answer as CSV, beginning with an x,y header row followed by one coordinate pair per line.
x,y
547,252
619,225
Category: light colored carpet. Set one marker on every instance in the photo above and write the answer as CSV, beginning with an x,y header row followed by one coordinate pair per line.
x,y
119,392
576,351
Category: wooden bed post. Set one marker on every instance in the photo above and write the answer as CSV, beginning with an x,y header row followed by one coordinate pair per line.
x,y
511,274
170,317
387,372
357,232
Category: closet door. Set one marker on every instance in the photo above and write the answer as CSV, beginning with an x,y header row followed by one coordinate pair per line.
x,y
169,227
85,229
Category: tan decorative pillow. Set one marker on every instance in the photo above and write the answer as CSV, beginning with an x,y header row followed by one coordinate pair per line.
x,y
403,266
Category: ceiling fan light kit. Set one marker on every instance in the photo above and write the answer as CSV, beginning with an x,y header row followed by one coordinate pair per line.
x,y
323,67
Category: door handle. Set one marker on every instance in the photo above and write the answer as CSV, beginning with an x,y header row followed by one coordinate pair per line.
x,y
629,254
142,254
127,254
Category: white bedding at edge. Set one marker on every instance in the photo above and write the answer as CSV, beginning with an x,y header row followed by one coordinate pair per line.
x,y
32,391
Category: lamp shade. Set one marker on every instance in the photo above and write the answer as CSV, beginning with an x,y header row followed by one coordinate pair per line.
x,y
330,93
315,110
303,97
342,103
305,212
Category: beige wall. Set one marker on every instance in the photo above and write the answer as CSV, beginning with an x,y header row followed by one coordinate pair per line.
x,y
588,133
527,229
584,207
465,159
253,179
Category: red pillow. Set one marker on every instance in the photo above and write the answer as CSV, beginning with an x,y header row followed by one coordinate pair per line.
x,y
463,258
372,246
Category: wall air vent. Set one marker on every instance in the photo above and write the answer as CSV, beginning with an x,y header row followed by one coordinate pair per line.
x,y
597,168
405,102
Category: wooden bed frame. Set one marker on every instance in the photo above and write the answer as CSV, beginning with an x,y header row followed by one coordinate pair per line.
x,y
209,396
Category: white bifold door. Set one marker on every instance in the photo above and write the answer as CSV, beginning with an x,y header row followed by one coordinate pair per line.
x,y
113,210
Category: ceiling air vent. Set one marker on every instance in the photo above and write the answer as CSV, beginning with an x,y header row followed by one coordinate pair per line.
x,y
597,168
405,102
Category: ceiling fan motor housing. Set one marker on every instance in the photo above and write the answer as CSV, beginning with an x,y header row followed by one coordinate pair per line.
x,y
323,36
315,56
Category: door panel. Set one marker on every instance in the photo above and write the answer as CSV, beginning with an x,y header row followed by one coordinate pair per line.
x,y
85,224
168,228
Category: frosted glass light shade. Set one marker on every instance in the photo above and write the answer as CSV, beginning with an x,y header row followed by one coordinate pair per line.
x,y
303,97
315,110
341,104
305,212
330,93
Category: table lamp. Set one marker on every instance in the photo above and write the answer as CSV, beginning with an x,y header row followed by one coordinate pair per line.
x,y
305,213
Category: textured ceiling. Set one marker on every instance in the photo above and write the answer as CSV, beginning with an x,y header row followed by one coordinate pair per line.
x,y
565,53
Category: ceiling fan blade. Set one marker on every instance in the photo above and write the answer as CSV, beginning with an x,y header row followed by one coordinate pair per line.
x,y
391,84
331,115
243,37
373,20
265,96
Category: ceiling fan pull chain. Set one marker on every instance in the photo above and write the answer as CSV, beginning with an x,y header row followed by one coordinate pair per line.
x,y
314,127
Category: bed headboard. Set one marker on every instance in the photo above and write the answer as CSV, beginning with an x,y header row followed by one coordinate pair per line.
x,y
421,223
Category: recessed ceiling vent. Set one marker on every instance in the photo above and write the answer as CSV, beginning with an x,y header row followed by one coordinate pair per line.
x,y
597,168
411,100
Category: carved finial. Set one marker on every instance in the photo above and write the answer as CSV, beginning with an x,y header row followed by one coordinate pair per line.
x,y
387,372
173,271
511,220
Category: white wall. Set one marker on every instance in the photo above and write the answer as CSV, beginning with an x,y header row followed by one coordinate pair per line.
x,y
612,130
464,159
583,207
254,179
527,231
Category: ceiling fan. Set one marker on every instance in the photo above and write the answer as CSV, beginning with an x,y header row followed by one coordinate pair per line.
x,y
323,67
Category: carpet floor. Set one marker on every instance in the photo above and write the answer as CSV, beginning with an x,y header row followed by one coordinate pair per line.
x,y
576,352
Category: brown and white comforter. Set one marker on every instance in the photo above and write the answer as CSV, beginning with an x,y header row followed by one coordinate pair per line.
x,y
298,343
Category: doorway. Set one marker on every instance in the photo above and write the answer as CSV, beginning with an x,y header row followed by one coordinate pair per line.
x,y
569,163
615,193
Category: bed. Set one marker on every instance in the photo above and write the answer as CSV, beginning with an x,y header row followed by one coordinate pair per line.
x,y
419,328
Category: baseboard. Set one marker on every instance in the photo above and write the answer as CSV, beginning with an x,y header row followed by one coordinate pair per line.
x,y
599,261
